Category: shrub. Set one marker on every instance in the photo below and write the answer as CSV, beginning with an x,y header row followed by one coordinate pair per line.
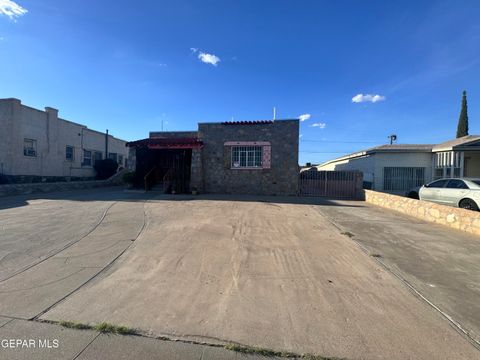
x,y
129,177
105,168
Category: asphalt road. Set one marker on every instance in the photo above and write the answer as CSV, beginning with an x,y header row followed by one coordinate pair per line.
x,y
267,272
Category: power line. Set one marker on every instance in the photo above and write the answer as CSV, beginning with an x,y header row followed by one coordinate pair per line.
x,y
343,142
325,152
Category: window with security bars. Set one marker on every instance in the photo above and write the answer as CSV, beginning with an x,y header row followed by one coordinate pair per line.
x,y
403,178
247,156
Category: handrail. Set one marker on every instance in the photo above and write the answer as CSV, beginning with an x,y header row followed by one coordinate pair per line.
x,y
145,178
167,179
168,174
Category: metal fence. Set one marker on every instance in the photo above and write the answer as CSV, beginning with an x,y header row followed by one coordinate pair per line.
x,y
335,184
403,178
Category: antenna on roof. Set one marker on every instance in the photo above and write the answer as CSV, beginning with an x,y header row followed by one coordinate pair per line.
x,y
274,113
393,139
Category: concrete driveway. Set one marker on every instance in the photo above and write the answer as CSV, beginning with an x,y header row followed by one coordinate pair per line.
x,y
442,264
265,272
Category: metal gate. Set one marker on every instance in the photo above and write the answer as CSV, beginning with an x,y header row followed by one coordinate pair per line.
x,y
403,178
335,184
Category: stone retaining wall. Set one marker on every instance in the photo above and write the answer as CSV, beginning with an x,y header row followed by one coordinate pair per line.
x,y
20,189
464,220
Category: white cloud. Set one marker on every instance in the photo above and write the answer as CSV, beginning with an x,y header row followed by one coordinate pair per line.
x,y
319,125
11,9
193,50
300,135
209,58
359,98
304,117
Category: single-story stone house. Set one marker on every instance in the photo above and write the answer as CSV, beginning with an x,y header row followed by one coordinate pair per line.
x,y
243,157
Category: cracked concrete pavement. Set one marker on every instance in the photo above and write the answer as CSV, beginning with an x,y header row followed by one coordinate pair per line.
x,y
267,272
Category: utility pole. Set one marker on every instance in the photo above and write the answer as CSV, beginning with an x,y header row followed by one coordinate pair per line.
x,y
106,144
274,113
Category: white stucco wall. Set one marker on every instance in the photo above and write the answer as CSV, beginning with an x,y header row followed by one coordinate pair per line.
x,y
52,135
373,165
365,164
403,159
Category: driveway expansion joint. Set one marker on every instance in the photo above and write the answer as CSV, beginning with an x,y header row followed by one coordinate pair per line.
x,y
63,248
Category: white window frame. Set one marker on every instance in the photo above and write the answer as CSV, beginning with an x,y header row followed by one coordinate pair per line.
x,y
30,151
252,159
73,153
89,158
448,164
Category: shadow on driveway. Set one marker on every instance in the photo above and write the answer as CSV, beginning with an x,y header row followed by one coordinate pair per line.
x,y
120,194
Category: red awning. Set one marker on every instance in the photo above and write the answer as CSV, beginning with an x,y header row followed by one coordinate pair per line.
x,y
165,143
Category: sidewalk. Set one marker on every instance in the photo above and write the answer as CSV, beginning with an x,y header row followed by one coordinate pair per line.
x,y
70,344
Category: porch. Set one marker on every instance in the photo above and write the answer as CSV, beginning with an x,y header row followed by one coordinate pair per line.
x,y
166,164
461,164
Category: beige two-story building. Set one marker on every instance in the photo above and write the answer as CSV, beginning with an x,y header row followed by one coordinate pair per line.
x,y
37,145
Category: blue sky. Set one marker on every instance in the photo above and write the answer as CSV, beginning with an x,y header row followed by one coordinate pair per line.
x,y
127,65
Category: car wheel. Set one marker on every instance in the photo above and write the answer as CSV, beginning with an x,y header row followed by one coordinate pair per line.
x,y
468,204
413,195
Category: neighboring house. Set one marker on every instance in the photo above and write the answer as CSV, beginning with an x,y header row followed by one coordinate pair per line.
x,y
397,168
246,157
37,145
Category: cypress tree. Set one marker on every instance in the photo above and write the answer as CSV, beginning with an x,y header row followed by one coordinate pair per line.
x,y
462,128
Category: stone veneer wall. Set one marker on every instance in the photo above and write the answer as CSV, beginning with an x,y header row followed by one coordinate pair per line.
x,y
196,175
280,179
464,220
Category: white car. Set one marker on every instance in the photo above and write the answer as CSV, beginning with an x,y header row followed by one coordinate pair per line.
x,y
463,193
